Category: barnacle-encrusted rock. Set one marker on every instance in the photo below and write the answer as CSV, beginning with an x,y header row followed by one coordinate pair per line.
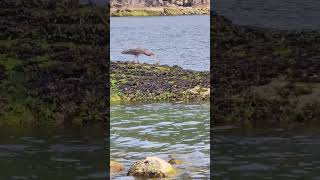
x,y
152,167
148,82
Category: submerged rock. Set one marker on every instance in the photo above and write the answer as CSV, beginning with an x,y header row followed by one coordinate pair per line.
x,y
115,167
152,167
174,161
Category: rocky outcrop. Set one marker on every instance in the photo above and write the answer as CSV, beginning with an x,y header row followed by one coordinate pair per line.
x,y
132,82
263,76
54,60
157,3
152,167
158,7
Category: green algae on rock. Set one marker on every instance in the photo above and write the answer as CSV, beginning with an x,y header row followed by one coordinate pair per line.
x,y
152,167
131,82
264,76
53,63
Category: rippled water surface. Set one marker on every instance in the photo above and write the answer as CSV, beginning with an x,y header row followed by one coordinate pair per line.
x,y
138,131
273,156
282,14
176,40
45,154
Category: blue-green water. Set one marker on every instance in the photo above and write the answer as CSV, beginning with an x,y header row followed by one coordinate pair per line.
x,y
176,40
138,131
44,154
280,14
273,154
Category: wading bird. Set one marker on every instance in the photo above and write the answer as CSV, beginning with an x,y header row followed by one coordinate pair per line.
x,y
138,51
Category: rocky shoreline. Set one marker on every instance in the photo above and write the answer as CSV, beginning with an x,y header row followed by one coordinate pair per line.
x,y
132,82
159,7
53,64
264,77
159,11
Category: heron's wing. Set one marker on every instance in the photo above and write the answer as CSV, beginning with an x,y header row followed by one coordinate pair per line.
x,y
129,51
133,51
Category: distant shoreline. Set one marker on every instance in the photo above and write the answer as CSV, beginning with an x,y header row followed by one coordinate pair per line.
x,y
158,11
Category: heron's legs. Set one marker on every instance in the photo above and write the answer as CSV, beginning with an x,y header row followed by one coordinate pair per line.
x,y
157,61
134,60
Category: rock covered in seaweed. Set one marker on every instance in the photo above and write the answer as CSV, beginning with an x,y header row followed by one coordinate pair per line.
x,y
152,167
148,82
263,77
54,60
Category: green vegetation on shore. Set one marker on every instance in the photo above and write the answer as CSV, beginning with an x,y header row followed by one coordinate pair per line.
x,y
131,82
264,77
53,63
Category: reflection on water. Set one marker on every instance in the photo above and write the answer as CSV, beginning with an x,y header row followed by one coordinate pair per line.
x,y
282,14
239,156
41,154
138,131
176,40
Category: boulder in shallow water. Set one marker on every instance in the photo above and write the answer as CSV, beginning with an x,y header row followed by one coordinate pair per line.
x,y
115,167
152,167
